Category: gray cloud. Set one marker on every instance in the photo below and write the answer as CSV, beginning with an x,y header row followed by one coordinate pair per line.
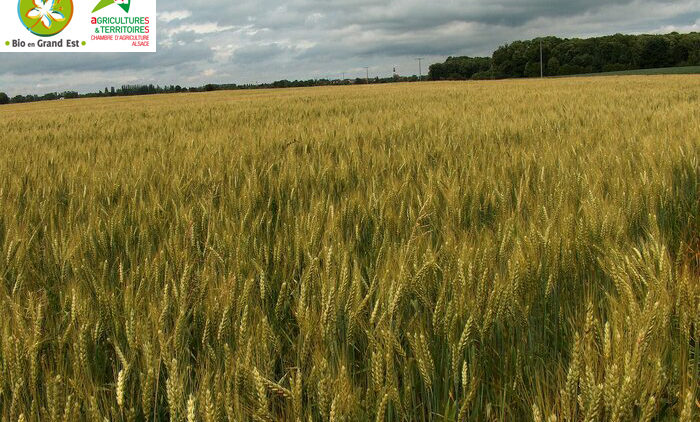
x,y
221,41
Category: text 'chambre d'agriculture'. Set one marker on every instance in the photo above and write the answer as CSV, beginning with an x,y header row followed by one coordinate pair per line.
x,y
121,28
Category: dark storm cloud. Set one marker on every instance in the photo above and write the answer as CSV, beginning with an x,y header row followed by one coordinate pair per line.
x,y
222,41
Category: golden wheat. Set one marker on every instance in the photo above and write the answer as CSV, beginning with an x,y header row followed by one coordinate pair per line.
x,y
510,250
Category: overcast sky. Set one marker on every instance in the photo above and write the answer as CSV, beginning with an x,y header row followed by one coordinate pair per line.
x,y
241,41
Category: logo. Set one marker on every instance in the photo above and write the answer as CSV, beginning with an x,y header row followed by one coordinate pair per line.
x,y
96,26
124,4
45,18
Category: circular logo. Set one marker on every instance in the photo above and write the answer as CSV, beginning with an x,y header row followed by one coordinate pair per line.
x,y
45,18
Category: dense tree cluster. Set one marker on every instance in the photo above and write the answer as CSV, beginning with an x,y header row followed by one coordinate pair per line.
x,y
575,56
456,68
601,54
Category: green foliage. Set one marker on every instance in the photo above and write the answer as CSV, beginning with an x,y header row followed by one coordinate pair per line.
x,y
576,56
506,251
600,54
456,68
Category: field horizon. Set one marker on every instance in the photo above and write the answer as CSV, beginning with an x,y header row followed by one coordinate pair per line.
x,y
251,92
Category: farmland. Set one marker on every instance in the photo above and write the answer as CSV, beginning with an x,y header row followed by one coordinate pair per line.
x,y
682,70
480,251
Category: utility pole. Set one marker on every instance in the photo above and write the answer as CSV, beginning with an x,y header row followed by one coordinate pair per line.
x,y
367,69
541,61
420,68
343,76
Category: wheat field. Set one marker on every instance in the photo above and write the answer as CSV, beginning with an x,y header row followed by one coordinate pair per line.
x,y
483,251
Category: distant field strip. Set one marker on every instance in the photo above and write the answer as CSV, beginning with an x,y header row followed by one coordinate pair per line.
x,y
687,70
521,250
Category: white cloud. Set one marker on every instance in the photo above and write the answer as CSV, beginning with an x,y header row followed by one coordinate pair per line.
x,y
199,28
223,53
176,15
314,18
695,27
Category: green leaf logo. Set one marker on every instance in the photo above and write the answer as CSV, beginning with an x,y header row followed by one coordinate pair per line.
x,y
124,4
45,18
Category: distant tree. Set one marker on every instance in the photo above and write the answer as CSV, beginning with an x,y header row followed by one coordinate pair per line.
x,y
532,69
4,99
488,74
653,52
553,66
571,69
459,68
614,52
49,97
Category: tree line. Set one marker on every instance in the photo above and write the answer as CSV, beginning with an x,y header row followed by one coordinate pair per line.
x,y
561,56
571,56
125,90
131,90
